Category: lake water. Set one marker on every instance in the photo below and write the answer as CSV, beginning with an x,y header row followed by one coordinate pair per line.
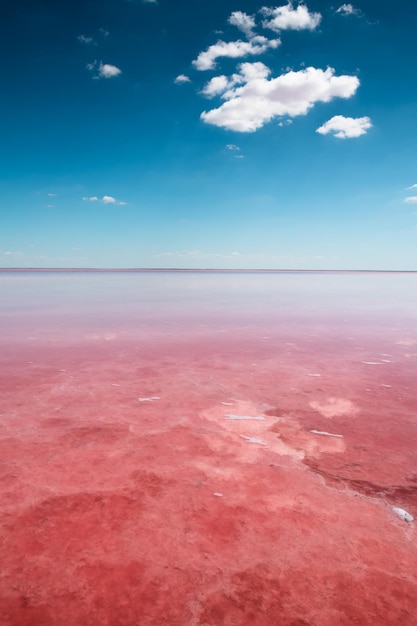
x,y
207,448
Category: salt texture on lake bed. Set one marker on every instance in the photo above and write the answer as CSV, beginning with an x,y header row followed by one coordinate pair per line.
x,y
151,475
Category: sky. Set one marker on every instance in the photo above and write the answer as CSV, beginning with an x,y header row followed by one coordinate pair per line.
x,y
222,134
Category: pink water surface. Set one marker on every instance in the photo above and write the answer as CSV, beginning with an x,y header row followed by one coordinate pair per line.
x,y
134,492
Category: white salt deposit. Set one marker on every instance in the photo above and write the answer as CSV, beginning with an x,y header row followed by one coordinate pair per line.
x,y
149,399
231,416
323,432
405,515
254,440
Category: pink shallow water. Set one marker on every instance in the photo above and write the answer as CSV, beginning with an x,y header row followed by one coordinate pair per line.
x,y
129,497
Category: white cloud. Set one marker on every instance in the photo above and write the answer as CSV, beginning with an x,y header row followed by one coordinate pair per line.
x,y
347,9
345,127
85,39
108,200
52,195
105,200
288,18
13,253
232,146
198,254
217,85
182,78
233,49
411,199
150,1
260,99
106,70
412,187
243,22
103,70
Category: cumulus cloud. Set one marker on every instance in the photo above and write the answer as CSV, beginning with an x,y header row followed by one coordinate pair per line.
x,y
347,9
182,78
104,200
411,199
259,99
233,49
106,70
217,85
289,18
345,127
103,70
243,22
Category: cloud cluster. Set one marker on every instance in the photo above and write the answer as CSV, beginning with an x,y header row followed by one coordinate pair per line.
x,y
104,200
253,99
345,127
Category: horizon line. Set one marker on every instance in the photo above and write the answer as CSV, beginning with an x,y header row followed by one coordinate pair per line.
x,y
201,269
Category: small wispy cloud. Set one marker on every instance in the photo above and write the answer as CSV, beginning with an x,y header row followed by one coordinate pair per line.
x,y
412,187
198,254
104,200
103,70
345,127
86,39
104,32
111,200
232,146
13,253
411,200
181,79
52,195
348,9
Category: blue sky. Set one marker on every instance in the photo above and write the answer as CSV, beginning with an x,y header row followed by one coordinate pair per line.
x,y
226,134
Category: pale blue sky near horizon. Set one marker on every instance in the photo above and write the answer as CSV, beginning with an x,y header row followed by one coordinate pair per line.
x,y
230,134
